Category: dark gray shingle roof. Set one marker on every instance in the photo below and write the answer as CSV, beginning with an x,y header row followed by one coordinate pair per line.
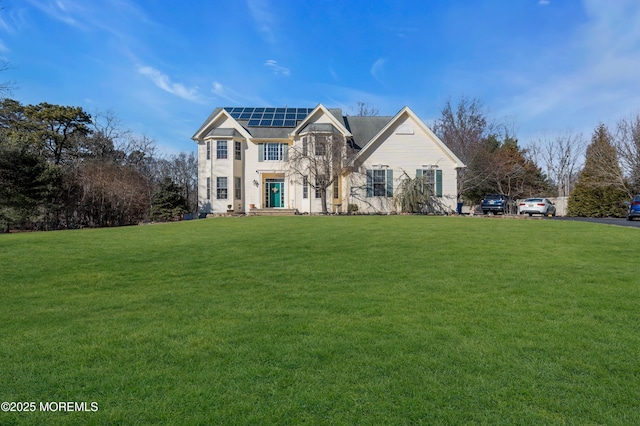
x,y
363,128
222,131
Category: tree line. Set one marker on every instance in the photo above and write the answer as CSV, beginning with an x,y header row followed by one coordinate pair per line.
x,y
598,177
61,168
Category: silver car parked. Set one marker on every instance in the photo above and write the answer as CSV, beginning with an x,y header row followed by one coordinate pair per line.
x,y
533,206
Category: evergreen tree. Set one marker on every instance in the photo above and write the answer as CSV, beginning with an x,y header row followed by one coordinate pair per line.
x,y
599,191
168,202
22,184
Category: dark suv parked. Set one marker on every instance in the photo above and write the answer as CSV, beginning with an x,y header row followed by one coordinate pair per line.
x,y
497,203
634,208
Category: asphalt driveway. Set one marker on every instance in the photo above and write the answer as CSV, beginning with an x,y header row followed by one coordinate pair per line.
x,y
603,220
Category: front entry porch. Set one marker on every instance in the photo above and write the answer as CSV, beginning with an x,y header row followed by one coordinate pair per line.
x,y
272,190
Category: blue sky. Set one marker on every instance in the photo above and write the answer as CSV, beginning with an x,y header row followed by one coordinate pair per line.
x,y
546,66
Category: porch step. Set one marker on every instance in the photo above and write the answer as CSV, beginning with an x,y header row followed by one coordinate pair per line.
x,y
272,212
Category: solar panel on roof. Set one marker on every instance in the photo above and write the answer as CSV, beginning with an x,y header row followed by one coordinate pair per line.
x,y
269,116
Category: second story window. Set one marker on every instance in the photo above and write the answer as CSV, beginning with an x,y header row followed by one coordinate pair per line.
x,y
208,150
221,150
237,153
321,145
273,152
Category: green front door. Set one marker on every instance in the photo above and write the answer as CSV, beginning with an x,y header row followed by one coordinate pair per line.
x,y
274,193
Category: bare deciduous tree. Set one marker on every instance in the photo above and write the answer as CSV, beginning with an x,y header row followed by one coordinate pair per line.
x,y
319,160
7,87
560,155
466,129
363,109
627,143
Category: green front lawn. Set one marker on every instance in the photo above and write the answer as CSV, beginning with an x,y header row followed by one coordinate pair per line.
x,y
324,320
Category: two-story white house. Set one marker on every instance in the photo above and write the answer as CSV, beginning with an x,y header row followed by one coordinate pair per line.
x,y
245,160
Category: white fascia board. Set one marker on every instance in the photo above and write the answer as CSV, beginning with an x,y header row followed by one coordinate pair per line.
x,y
209,124
326,112
424,127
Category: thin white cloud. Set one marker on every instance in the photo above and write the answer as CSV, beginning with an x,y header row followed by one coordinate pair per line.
x,y
234,98
264,19
164,82
602,85
275,68
333,74
60,10
221,91
544,2
404,32
377,67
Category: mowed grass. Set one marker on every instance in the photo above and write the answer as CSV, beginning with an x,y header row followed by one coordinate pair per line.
x,y
324,320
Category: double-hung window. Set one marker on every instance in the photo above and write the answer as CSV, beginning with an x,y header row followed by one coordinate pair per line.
x,y
320,185
237,152
432,178
305,187
380,183
273,152
321,145
237,187
208,150
221,188
221,150
208,188
305,147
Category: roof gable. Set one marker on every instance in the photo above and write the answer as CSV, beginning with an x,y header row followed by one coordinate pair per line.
x,y
405,112
217,117
313,116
